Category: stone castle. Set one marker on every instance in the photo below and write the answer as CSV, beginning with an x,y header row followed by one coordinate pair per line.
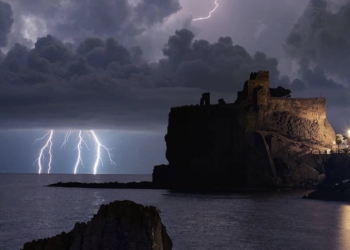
x,y
261,140
256,92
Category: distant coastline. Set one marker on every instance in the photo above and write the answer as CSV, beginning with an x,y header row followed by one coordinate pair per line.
x,y
151,185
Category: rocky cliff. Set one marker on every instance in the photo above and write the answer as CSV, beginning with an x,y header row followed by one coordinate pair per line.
x,y
258,141
336,184
120,225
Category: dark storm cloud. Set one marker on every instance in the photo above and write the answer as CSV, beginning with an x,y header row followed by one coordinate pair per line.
x,y
51,49
99,86
97,18
6,21
15,59
319,43
322,36
316,77
217,66
2,56
133,23
315,83
313,78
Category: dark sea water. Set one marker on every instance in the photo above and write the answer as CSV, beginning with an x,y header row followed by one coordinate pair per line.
x,y
275,220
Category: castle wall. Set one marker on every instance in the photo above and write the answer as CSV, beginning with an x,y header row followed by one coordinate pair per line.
x,y
262,96
308,108
256,141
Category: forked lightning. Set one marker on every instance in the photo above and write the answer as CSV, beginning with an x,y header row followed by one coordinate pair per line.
x,y
47,149
98,156
79,147
66,139
211,12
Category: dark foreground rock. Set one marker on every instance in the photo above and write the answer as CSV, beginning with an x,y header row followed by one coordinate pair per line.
x,y
329,195
120,225
337,192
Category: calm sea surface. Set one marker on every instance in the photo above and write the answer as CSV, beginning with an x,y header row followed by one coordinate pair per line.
x,y
280,220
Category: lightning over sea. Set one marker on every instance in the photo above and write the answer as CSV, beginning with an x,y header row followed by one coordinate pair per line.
x,y
46,151
210,13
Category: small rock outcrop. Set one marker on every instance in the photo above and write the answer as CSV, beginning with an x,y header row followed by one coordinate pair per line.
x,y
336,184
338,192
120,225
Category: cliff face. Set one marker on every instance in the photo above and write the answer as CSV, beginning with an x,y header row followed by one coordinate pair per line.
x,y
206,145
120,225
318,132
298,119
259,141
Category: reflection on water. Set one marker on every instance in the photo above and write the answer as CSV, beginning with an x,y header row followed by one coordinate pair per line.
x,y
345,226
194,221
98,201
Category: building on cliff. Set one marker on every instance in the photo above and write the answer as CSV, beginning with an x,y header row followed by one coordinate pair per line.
x,y
261,140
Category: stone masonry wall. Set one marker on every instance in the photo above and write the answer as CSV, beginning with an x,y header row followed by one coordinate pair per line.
x,y
309,108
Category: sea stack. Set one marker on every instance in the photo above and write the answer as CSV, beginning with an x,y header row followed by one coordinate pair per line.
x,y
120,225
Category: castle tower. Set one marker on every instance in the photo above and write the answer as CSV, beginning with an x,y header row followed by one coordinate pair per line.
x,y
256,89
257,79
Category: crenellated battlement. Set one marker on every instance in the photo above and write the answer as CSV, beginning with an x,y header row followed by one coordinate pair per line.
x,y
259,103
258,98
260,75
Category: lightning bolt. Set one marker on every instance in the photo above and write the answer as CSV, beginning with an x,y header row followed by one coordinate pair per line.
x,y
98,156
66,138
50,152
211,12
46,147
79,160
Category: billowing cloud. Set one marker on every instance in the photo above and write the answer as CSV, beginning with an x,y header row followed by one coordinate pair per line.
x,y
6,21
100,86
133,23
91,72
319,45
216,66
321,36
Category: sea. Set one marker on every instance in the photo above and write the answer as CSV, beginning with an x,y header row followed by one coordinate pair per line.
x,y
199,221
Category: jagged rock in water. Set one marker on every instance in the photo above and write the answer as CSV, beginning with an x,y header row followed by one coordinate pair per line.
x,y
339,191
120,225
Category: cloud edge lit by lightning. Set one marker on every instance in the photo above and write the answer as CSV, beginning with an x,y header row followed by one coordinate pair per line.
x,y
210,13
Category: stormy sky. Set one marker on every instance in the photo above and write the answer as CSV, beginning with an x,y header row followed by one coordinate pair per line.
x,y
117,66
